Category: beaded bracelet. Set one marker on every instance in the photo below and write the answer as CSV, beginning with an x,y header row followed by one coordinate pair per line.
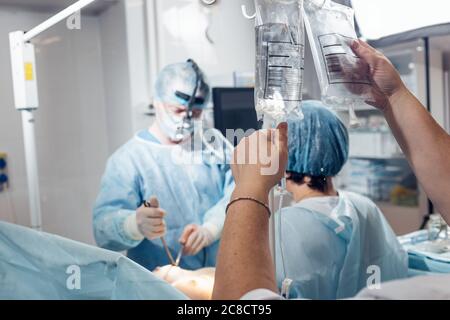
x,y
249,199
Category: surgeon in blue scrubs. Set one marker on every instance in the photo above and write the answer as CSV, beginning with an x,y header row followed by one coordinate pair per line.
x,y
181,174
330,243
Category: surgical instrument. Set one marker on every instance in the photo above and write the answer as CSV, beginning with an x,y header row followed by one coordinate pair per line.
x,y
166,247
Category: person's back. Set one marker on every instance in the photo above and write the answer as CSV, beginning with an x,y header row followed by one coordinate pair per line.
x,y
331,243
332,247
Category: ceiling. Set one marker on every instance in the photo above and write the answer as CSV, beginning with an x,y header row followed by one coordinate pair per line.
x,y
56,5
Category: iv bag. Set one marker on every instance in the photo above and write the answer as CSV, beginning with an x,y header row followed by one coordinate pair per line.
x,y
345,79
279,59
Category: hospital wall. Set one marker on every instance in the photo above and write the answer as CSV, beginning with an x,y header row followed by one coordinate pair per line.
x,y
71,129
125,70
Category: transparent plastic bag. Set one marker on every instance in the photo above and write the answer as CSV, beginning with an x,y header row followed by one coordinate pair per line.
x,y
279,59
344,78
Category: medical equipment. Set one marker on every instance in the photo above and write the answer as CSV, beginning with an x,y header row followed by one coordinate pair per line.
x,y
174,262
279,59
180,84
344,78
279,71
187,126
437,228
178,259
26,98
427,254
4,178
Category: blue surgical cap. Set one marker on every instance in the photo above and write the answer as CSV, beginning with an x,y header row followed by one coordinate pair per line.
x,y
180,77
318,144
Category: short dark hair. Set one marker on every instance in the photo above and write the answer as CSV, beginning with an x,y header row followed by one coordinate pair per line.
x,y
318,183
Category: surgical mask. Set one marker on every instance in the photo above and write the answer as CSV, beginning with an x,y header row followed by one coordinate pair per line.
x,y
185,127
176,128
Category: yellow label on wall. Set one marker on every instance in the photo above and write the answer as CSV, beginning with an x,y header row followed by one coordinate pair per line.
x,y
29,76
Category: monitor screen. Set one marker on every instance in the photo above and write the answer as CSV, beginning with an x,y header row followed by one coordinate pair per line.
x,y
234,108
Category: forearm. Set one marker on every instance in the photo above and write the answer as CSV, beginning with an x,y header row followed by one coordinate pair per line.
x,y
244,261
425,144
109,230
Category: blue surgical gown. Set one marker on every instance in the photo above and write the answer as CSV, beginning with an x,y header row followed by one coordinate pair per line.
x,y
41,266
332,256
193,183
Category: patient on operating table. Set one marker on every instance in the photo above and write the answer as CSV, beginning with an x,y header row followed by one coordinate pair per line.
x,y
197,285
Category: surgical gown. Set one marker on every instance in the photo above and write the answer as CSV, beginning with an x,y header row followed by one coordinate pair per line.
x,y
333,255
36,265
193,183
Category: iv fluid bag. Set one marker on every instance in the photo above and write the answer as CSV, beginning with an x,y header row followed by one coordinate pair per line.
x,y
279,59
345,80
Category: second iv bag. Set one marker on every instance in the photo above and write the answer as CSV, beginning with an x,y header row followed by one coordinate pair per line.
x,y
279,59
345,79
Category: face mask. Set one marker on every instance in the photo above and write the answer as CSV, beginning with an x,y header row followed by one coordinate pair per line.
x,y
176,128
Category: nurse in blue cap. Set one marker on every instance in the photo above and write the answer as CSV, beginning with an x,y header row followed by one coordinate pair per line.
x,y
330,243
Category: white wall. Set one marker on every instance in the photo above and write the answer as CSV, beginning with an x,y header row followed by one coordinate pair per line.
x,y
181,26
116,76
71,125
125,65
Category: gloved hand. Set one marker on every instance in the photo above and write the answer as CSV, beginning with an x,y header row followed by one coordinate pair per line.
x,y
195,238
147,222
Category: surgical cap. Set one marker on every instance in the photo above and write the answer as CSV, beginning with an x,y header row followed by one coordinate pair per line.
x,y
318,144
180,77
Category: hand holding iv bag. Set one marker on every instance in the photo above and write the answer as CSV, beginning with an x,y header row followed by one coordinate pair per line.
x,y
345,79
279,59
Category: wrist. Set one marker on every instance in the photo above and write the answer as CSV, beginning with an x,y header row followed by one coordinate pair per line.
x,y
257,192
398,97
131,228
213,231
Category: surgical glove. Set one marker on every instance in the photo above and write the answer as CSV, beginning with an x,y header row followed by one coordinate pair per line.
x,y
195,238
147,222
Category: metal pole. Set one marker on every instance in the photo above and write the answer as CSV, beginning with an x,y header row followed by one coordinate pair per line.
x,y
32,168
22,102
77,6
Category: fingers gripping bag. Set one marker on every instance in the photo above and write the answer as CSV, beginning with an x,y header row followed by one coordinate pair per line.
x,y
279,60
345,79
